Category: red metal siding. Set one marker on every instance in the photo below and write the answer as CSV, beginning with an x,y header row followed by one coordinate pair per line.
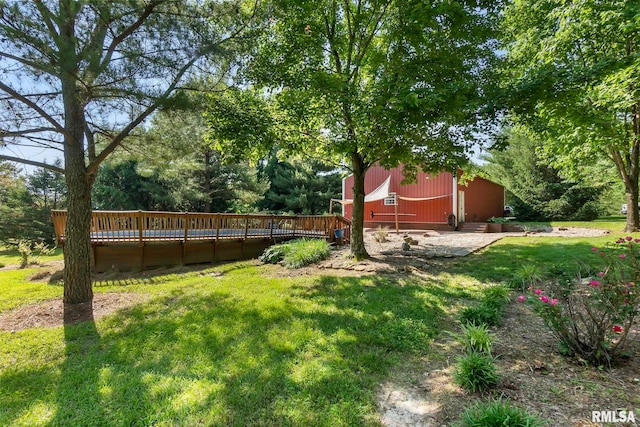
x,y
429,211
483,198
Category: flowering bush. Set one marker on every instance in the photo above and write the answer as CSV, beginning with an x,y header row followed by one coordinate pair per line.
x,y
592,316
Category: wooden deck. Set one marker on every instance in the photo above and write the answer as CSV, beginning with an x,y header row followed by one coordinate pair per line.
x,y
126,240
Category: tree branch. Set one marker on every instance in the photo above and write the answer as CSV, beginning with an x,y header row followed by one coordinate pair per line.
x,y
46,15
25,132
117,140
126,33
33,106
32,163
28,63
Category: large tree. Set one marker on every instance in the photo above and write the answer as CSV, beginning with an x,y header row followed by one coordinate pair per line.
x,y
573,72
201,179
365,82
71,70
538,191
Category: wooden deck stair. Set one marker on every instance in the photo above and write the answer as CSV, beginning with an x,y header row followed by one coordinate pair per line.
x,y
474,227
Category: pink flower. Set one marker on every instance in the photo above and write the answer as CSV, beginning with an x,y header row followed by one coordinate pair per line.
x,y
629,284
622,256
628,238
594,283
636,240
537,291
554,301
544,298
600,273
617,329
594,249
521,298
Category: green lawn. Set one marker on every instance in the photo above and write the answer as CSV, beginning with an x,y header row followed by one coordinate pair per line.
x,y
239,349
614,223
234,345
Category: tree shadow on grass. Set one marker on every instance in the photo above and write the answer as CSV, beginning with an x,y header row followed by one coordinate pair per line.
x,y
311,352
314,355
78,394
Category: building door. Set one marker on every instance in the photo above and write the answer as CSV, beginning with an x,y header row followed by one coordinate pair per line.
x,y
461,206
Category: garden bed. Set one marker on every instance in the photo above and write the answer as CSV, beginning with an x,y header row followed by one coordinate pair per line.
x,y
534,376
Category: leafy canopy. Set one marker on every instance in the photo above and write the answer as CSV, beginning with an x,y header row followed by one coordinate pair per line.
x,y
390,81
572,70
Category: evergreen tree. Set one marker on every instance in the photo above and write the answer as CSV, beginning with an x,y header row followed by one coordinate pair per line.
x,y
536,190
119,186
21,218
74,70
300,187
48,187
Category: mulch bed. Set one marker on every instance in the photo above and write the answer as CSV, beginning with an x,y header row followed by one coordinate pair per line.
x,y
52,313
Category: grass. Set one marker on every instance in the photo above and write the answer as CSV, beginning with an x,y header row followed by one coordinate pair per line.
x,y
614,223
16,289
242,347
239,349
499,262
498,413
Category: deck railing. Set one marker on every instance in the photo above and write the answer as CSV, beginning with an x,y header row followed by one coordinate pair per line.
x,y
146,226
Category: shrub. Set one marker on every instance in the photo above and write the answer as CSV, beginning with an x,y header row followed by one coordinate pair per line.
x,y
381,234
306,251
498,414
497,296
30,252
592,317
476,372
274,254
297,253
490,309
476,338
529,275
498,220
481,313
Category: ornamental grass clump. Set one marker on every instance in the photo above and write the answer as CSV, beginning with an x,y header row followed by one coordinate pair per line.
x,y
491,307
498,413
297,253
477,338
592,316
476,372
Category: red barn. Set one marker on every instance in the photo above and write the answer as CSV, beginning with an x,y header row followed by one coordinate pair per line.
x,y
426,204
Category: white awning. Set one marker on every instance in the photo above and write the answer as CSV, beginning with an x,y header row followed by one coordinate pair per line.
x,y
382,192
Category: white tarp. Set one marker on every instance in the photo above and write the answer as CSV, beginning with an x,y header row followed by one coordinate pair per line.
x,y
382,192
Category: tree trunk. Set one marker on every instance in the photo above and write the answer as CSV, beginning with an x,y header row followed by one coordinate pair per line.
x,y
631,181
632,208
358,250
207,181
77,248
